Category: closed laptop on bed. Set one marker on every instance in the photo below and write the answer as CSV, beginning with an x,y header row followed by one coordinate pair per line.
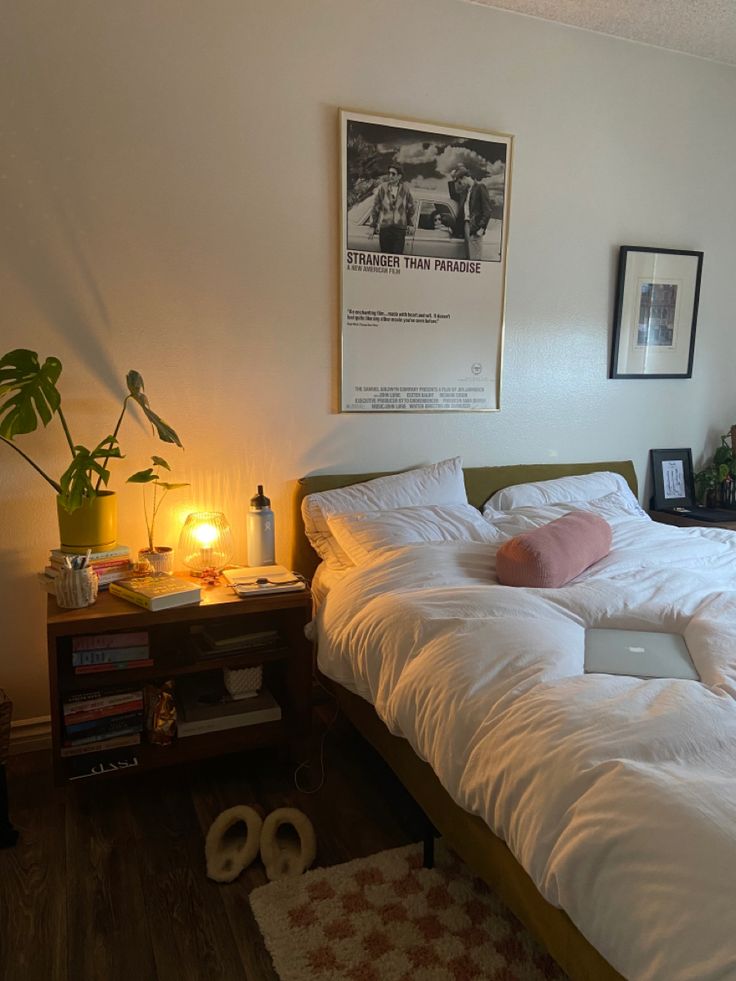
x,y
640,653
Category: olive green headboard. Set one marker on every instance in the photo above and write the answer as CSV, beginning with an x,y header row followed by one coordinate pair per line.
x,y
480,483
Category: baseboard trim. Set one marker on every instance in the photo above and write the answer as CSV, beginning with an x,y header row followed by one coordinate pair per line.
x,y
28,735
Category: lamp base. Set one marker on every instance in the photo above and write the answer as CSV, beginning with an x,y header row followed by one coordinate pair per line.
x,y
210,577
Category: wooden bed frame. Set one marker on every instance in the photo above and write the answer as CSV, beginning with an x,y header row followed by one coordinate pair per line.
x,y
468,835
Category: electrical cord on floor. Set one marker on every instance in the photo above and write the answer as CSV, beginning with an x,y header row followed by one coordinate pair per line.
x,y
307,764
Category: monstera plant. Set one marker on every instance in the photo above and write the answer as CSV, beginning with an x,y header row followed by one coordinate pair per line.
x,y
29,395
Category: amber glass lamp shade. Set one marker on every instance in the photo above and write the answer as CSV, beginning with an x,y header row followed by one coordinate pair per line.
x,y
206,542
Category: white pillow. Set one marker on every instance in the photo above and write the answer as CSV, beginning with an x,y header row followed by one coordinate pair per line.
x,y
564,490
361,534
441,483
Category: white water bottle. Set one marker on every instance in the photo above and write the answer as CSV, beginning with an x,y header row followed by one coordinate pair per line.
x,y
260,531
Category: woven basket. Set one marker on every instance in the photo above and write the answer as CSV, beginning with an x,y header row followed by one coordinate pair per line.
x,y
6,713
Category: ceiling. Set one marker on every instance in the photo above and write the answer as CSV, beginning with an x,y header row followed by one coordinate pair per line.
x,y
706,28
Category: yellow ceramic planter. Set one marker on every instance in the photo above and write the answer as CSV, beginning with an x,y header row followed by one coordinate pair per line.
x,y
94,525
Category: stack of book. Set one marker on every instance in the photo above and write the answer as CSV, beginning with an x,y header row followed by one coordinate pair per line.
x,y
110,566
111,652
204,705
220,639
99,721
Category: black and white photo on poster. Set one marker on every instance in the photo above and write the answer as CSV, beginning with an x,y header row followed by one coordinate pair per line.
x,y
424,227
411,192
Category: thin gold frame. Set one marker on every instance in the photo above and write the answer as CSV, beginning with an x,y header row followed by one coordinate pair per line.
x,y
342,113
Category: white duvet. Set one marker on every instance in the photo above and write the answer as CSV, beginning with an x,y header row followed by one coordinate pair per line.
x,y
617,795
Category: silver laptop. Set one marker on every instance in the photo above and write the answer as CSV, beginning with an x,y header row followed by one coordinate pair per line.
x,y
640,653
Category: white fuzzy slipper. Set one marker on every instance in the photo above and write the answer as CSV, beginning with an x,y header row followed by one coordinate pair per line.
x,y
232,842
288,843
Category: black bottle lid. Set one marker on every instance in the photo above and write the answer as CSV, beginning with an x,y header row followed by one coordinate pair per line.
x,y
260,500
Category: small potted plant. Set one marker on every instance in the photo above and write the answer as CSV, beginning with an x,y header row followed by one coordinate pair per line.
x,y
159,557
716,483
87,513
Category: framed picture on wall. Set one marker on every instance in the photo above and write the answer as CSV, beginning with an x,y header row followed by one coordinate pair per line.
x,y
424,225
655,313
672,479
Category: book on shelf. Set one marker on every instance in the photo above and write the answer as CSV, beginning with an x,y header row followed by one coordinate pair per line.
x,y
49,583
146,662
101,565
119,552
222,637
204,651
197,717
112,723
102,737
118,655
96,764
92,700
85,747
157,592
106,642
105,711
103,578
102,694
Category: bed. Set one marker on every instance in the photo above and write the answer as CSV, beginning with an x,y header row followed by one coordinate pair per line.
x,y
624,829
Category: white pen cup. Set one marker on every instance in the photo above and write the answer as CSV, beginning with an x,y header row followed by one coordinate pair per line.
x,y
76,588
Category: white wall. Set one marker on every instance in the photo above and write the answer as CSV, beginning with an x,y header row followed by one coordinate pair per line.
x,y
168,201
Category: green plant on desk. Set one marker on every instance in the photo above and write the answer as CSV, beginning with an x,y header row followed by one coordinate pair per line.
x,y
29,395
716,483
149,476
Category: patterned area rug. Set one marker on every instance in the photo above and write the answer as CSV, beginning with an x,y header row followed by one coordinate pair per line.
x,y
385,918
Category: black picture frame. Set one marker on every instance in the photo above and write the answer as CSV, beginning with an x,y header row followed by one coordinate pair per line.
x,y
672,479
655,312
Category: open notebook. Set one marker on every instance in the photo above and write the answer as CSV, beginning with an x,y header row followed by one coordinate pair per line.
x,y
247,580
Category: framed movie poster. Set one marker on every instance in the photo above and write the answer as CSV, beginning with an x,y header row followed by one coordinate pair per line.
x,y
656,312
424,227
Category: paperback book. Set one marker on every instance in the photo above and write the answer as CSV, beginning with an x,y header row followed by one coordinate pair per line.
x,y
103,577
84,700
95,764
119,552
157,592
113,655
105,712
146,662
107,642
221,638
84,748
107,724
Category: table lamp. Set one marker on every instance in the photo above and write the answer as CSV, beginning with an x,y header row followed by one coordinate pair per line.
x,y
205,545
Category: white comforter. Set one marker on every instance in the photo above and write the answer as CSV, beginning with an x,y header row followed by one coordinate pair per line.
x,y
617,795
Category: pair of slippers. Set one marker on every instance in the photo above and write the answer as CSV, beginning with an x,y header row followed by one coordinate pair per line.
x,y
286,842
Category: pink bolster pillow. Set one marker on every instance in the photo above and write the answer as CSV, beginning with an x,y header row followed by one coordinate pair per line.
x,y
555,553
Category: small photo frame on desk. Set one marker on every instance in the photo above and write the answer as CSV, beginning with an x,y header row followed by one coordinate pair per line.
x,y
672,479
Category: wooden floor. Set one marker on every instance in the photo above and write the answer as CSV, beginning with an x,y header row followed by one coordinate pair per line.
x,y
108,880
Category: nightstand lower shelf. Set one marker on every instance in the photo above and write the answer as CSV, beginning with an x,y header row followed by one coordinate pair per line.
x,y
287,676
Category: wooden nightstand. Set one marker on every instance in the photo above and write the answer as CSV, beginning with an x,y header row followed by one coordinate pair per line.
x,y
689,520
287,667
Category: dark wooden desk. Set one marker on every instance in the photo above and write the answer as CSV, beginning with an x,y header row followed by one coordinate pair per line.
x,y
690,520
